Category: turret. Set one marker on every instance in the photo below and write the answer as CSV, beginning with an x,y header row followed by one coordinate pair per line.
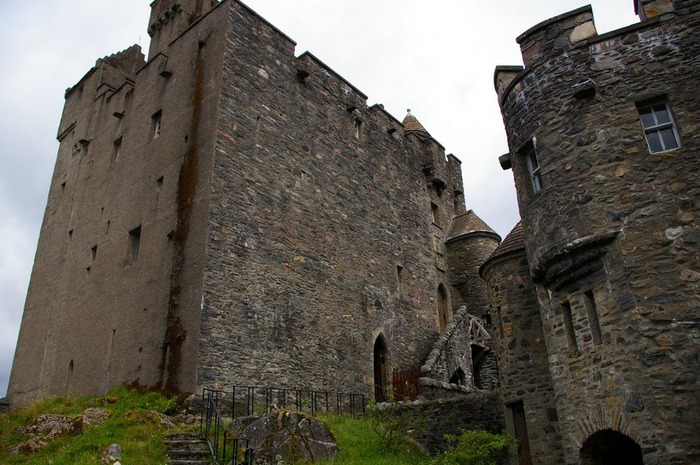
x,y
169,18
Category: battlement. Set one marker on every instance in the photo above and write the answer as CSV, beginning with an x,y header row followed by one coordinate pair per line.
x,y
558,37
555,35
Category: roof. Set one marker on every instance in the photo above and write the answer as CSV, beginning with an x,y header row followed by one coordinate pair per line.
x,y
513,242
468,223
411,124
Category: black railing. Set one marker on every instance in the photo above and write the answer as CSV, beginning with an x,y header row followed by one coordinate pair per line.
x,y
242,401
212,428
251,400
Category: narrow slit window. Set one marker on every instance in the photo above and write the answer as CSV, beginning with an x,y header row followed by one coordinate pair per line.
x,y
593,319
659,128
533,167
569,327
358,129
116,150
134,244
400,280
435,212
156,121
93,253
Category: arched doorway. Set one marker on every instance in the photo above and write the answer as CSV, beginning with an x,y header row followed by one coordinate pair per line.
x,y
380,370
442,307
609,447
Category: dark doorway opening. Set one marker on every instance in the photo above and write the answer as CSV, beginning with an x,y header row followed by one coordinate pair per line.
x,y
459,377
517,410
380,370
609,447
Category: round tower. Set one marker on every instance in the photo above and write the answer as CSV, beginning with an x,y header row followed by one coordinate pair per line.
x,y
518,341
605,161
469,244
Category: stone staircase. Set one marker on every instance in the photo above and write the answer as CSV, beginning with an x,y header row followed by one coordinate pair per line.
x,y
186,449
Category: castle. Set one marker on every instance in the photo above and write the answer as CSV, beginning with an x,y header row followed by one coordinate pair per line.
x,y
224,212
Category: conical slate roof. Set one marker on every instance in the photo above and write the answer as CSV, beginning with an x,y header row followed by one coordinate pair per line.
x,y
468,223
411,124
514,241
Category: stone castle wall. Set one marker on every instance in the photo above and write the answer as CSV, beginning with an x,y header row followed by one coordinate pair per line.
x,y
311,216
227,212
612,236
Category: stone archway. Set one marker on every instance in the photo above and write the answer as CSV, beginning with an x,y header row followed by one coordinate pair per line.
x,y
609,447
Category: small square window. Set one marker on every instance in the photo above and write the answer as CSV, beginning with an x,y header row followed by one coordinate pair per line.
x,y
659,129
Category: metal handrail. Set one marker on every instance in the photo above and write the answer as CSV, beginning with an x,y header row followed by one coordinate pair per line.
x,y
224,448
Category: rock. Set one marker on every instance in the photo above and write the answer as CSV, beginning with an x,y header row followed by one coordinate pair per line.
x,y
161,419
286,437
95,416
53,426
112,455
48,427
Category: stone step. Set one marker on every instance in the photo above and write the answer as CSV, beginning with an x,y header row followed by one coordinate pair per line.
x,y
186,449
193,444
189,462
200,454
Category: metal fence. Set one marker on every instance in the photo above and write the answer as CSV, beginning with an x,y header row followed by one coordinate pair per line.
x,y
253,400
223,447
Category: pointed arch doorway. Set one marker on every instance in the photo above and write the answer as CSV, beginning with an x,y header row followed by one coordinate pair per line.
x,y
381,384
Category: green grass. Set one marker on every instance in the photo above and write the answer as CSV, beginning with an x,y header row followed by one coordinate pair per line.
x,y
129,425
360,445
141,437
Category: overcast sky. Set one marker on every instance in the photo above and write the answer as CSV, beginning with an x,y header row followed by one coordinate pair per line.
x,y
436,58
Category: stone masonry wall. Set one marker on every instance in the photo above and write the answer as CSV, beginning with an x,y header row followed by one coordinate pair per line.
x,y
116,288
316,202
437,418
519,343
612,236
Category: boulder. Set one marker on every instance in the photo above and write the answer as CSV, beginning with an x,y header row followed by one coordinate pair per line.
x,y
285,438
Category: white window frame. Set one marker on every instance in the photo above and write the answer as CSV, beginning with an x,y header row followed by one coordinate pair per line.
x,y
653,132
533,168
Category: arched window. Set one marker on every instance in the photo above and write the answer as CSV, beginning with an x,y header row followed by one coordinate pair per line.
x,y
442,307
381,384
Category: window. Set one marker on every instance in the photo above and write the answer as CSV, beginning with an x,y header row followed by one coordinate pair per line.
x,y
533,167
134,244
358,129
156,123
116,149
659,130
569,327
401,281
593,320
435,212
